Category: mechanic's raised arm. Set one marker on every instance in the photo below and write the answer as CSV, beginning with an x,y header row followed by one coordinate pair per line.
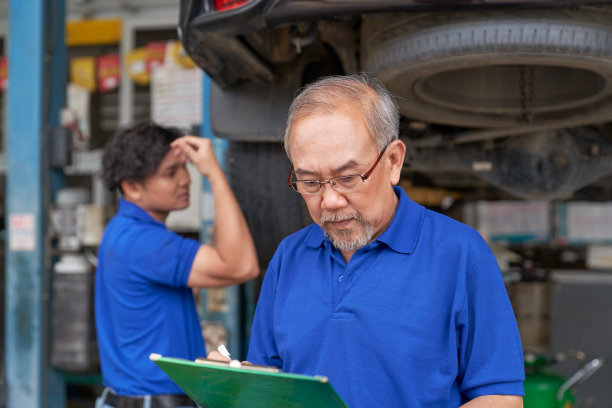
x,y
231,258
495,401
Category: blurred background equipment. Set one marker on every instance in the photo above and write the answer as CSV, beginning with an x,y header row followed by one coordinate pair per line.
x,y
545,388
78,225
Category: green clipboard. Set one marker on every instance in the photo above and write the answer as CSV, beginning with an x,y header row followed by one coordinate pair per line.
x,y
217,385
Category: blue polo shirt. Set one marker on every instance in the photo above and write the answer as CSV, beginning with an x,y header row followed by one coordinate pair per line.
x,y
142,303
418,318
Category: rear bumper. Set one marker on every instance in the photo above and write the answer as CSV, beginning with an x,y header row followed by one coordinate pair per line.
x,y
213,39
257,14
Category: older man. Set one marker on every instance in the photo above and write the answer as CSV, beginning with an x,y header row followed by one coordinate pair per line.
x,y
397,305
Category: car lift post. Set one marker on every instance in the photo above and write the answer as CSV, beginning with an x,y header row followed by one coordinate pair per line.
x,y
37,74
229,317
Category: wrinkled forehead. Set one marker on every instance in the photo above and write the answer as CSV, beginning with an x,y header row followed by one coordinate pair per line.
x,y
322,113
330,138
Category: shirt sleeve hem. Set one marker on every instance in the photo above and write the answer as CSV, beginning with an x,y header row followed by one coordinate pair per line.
x,y
507,388
191,254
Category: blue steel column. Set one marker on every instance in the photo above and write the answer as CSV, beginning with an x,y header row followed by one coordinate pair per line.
x,y
37,74
230,319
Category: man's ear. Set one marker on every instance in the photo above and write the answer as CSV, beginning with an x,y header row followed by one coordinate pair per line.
x,y
132,190
395,153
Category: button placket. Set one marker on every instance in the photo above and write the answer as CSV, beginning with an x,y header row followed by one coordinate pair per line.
x,y
341,286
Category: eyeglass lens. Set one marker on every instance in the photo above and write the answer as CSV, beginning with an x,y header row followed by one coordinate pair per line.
x,y
343,183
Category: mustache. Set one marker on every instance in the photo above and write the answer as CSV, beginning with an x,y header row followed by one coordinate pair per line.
x,y
336,217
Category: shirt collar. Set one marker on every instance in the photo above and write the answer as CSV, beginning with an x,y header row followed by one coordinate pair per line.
x,y
129,209
401,235
403,232
316,237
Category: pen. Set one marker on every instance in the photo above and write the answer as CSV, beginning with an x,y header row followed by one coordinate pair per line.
x,y
223,350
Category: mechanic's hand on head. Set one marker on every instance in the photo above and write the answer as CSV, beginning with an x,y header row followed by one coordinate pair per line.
x,y
199,151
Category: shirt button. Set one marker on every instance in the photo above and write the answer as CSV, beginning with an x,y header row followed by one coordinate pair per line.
x,y
340,278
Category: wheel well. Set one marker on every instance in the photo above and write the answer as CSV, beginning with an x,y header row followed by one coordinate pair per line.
x,y
322,67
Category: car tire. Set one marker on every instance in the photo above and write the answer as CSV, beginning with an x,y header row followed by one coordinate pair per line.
x,y
258,172
495,68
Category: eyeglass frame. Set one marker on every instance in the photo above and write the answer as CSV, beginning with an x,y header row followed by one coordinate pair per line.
x,y
329,181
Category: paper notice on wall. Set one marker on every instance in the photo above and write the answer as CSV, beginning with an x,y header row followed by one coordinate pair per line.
x,y
599,257
586,222
76,115
176,96
22,232
513,221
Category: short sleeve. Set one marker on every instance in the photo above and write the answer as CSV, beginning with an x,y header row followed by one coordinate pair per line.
x,y
164,257
490,356
262,346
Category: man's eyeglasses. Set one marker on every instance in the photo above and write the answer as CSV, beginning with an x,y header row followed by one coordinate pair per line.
x,y
342,184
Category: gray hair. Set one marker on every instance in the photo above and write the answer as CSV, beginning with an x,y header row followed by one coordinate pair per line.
x,y
376,104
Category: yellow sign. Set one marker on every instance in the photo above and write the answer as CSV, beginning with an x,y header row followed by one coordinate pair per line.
x,y
180,56
83,72
93,32
136,66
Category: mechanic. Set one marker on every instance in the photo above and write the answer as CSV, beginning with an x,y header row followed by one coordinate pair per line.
x,y
146,274
399,306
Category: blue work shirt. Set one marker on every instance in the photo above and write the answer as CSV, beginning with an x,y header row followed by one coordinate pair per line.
x,y
142,303
420,317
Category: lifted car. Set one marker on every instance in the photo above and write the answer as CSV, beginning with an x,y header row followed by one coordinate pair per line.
x,y
511,94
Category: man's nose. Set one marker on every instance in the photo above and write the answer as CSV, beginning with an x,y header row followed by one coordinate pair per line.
x,y
184,176
331,199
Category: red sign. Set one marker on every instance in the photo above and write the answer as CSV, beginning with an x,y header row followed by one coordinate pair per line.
x,y
108,72
156,52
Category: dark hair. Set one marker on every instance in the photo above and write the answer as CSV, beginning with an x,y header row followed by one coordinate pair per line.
x,y
134,153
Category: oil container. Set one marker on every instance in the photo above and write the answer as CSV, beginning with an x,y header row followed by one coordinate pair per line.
x,y
73,335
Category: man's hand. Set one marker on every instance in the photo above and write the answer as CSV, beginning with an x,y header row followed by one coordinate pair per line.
x,y
231,257
215,355
199,151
